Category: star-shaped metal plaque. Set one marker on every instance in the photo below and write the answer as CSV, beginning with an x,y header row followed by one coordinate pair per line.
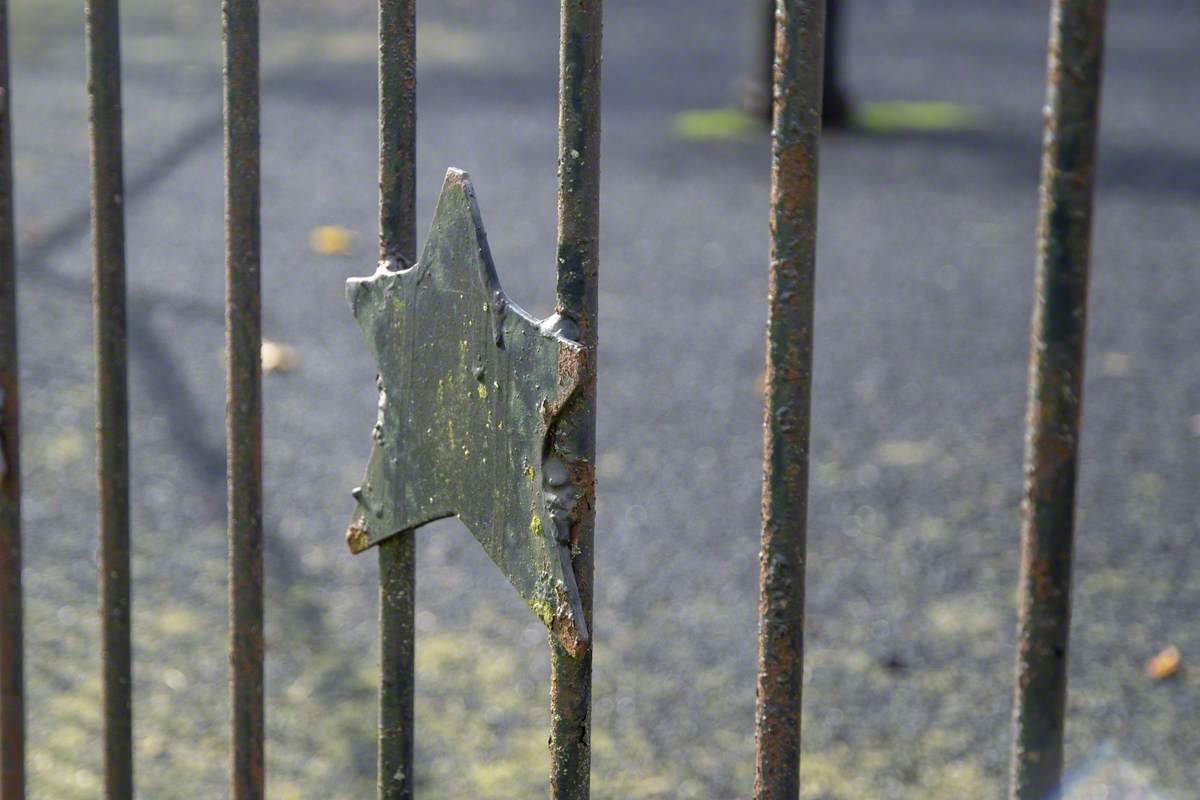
x,y
470,391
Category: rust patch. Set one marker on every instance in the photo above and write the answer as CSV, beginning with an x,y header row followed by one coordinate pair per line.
x,y
794,169
357,537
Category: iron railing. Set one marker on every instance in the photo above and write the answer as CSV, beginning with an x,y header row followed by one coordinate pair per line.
x,y
112,389
1056,394
243,352
798,80
1056,369
12,640
398,242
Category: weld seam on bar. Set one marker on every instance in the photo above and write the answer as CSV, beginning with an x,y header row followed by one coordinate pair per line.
x,y
243,334
580,43
1055,395
397,245
799,55
112,390
12,640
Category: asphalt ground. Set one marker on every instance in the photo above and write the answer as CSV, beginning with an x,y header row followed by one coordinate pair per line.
x,y
924,293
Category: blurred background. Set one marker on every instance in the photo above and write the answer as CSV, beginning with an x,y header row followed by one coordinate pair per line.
x,y
926,249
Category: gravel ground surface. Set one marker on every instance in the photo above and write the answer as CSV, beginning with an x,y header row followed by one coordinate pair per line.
x,y
924,291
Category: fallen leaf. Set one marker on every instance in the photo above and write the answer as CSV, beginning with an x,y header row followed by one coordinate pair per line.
x,y
278,357
1165,664
1116,365
331,240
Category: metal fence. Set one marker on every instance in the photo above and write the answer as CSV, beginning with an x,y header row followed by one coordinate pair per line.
x,y
565,473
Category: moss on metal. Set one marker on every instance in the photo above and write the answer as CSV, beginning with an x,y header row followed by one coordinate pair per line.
x,y
480,445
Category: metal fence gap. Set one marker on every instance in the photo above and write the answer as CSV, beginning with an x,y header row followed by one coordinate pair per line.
x,y
799,57
243,340
1056,394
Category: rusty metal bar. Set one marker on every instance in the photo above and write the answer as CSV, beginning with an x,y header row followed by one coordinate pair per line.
x,y
112,389
799,45
1056,394
243,339
397,244
574,440
12,641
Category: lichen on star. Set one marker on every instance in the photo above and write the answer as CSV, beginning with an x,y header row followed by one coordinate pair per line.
x,y
471,388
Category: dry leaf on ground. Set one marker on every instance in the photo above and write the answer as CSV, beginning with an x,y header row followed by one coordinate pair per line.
x,y
277,357
331,240
1165,664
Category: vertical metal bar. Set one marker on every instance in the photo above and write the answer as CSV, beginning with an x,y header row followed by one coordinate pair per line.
x,y
1055,394
112,392
397,587
397,244
243,337
799,46
580,41
12,643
